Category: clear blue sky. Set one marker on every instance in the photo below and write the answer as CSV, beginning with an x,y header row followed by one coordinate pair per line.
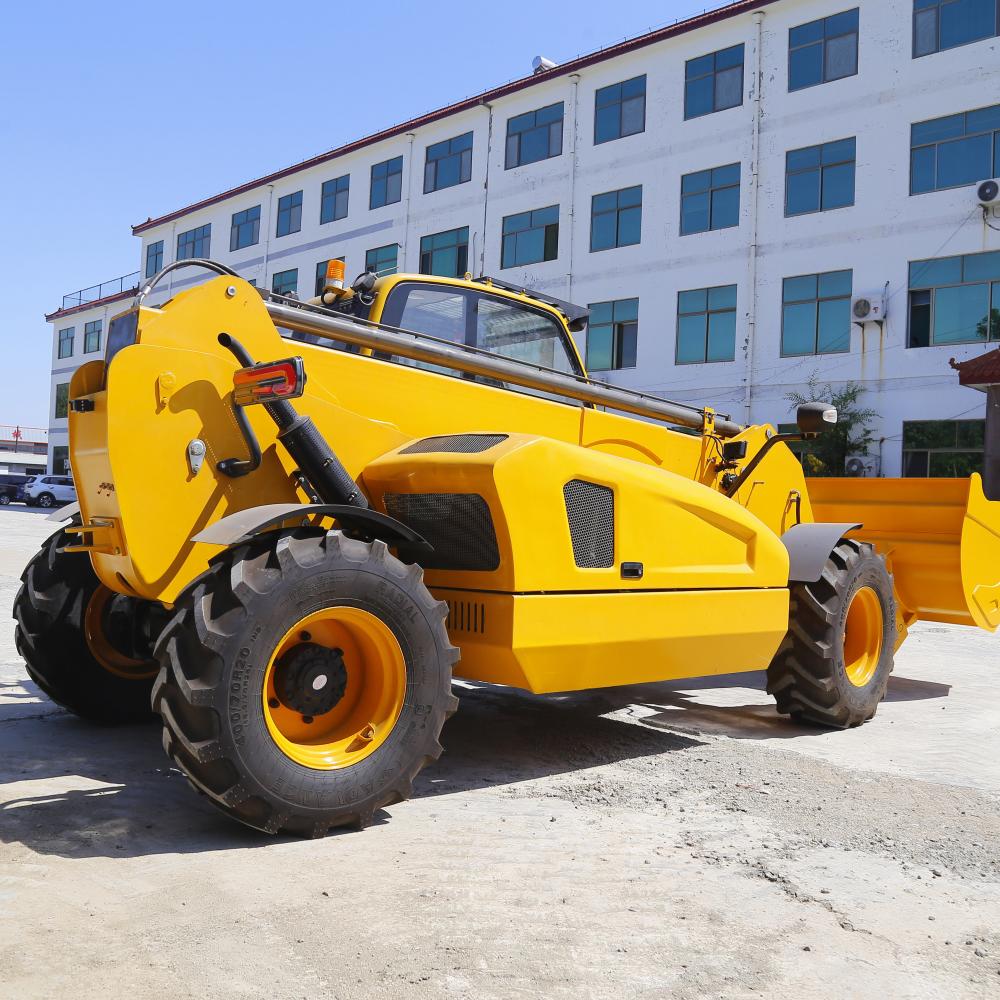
x,y
117,111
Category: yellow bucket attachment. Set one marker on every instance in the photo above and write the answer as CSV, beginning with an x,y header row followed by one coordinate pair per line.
x,y
940,538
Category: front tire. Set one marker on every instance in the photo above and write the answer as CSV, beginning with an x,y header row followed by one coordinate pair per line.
x,y
834,665
73,635
304,681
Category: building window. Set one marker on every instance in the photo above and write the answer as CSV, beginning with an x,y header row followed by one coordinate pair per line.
x,y
955,300
710,199
387,183
92,336
154,258
616,219
195,243
285,282
952,449
448,163
706,325
816,314
66,342
612,335
819,178
333,199
446,254
620,110
530,237
289,214
62,400
955,151
383,260
713,82
823,50
321,275
60,460
944,24
534,136
245,230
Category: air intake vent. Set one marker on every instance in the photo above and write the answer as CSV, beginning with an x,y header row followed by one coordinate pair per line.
x,y
590,509
458,525
462,444
466,616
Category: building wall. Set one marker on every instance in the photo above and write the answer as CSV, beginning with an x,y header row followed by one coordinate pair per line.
x,y
876,237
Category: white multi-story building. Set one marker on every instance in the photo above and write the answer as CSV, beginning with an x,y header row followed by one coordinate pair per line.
x,y
717,191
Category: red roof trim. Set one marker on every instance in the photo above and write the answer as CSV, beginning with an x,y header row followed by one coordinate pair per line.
x,y
682,27
60,313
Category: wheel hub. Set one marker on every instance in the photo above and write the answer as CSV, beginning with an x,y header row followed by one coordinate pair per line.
x,y
311,679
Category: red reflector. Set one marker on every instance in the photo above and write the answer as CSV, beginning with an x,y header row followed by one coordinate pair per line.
x,y
269,382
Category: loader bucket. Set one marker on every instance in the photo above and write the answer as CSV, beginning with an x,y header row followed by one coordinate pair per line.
x,y
940,538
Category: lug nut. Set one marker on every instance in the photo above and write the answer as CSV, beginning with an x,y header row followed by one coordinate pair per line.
x,y
305,636
273,702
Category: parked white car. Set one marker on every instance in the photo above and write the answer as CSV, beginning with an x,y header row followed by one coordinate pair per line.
x,y
49,491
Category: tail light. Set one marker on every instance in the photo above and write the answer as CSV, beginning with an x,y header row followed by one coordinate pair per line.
x,y
269,382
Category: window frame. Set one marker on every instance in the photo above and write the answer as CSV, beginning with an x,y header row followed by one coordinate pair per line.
x,y
199,239
823,46
94,327
281,274
328,194
289,215
714,73
154,254
382,173
619,101
617,211
618,334
711,190
60,410
549,126
432,166
382,272
992,289
62,341
994,144
815,353
936,5
461,251
239,224
707,312
546,227
821,168
929,451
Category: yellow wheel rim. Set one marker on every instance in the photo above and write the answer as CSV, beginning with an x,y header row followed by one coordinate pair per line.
x,y
362,720
107,655
863,637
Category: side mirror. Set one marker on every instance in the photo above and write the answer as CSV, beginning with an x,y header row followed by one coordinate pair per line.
x,y
814,418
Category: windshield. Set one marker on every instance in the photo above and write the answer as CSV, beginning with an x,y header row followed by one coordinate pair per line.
x,y
478,319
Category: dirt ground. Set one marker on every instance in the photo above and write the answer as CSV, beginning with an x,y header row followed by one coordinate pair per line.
x,y
675,840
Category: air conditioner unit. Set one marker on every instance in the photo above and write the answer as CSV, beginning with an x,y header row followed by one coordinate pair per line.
x,y
862,466
988,194
868,308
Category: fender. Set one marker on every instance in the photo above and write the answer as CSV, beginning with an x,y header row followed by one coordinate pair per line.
x,y
809,546
238,527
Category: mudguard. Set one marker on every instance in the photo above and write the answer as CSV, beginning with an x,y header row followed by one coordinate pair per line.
x,y
809,546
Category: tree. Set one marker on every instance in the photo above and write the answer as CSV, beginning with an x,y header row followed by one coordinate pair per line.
x,y
852,435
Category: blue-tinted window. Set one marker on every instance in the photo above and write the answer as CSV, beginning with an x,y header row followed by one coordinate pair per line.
x,y
816,314
616,219
154,258
713,82
620,110
706,325
955,150
448,163
383,260
710,199
943,448
612,335
92,336
66,342
819,178
285,282
321,275
823,50
387,183
333,199
446,254
195,243
245,231
61,403
289,214
955,300
530,237
534,136
944,24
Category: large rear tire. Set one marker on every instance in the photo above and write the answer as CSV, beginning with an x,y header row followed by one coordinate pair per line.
x,y
834,665
76,638
304,681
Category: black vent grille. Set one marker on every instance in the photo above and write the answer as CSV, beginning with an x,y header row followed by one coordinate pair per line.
x,y
462,444
466,616
458,525
590,509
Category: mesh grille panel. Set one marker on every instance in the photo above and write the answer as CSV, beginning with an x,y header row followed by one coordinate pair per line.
x,y
462,444
458,525
590,509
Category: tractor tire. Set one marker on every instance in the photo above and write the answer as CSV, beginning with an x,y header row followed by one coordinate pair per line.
x,y
834,664
68,641
304,681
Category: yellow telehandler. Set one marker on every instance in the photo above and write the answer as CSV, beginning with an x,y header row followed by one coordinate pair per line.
x,y
288,572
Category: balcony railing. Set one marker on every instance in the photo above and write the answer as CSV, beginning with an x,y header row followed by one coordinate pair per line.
x,y
123,284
